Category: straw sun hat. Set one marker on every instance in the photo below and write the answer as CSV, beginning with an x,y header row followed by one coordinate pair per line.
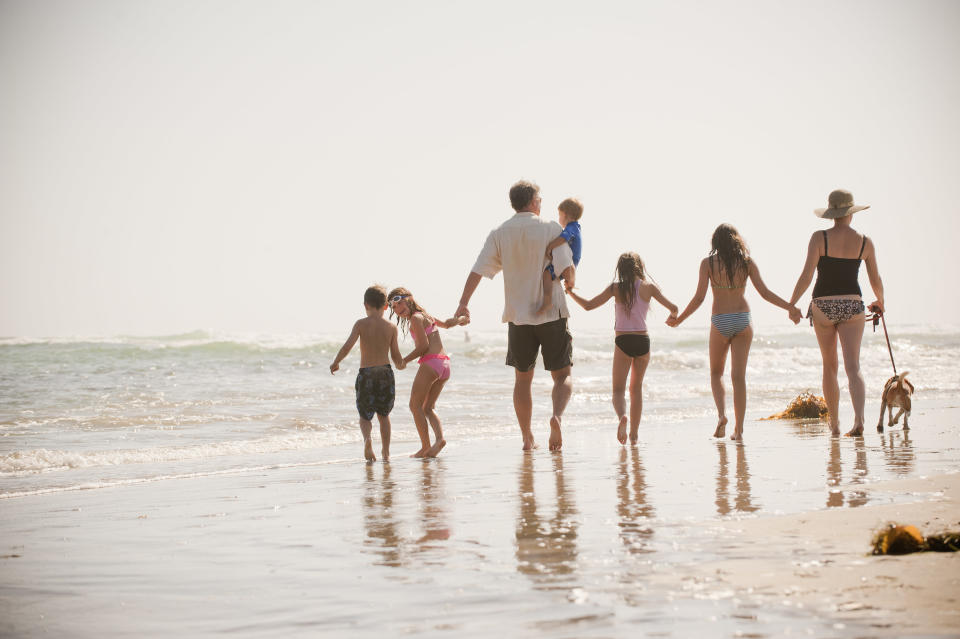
x,y
840,204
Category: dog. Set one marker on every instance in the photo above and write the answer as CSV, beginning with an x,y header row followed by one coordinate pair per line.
x,y
896,393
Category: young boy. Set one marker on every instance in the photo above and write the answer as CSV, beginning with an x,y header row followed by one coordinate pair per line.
x,y
569,213
375,386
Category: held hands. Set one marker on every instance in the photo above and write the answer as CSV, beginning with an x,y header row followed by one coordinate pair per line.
x,y
795,314
672,320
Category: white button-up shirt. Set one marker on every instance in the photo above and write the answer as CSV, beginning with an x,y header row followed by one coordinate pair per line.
x,y
518,247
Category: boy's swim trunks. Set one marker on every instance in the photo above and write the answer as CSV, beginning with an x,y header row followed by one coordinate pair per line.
x,y
375,391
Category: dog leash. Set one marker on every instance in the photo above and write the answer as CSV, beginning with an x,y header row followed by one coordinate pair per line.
x,y
877,319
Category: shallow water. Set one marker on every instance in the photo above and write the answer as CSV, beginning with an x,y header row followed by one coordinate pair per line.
x,y
202,486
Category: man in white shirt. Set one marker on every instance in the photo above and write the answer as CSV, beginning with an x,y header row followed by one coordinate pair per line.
x,y
517,248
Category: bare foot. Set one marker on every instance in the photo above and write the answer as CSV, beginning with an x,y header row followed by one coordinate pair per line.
x,y
529,444
422,452
634,436
368,450
434,450
556,439
856,431
385,454
622,430
721,427
737,434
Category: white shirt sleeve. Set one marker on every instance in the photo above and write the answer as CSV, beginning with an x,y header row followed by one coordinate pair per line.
x,y
488,263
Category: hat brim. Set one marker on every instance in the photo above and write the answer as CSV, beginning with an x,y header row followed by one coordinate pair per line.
x,y
832,214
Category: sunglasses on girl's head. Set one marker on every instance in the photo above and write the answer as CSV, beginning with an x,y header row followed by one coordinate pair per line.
x,y
397,298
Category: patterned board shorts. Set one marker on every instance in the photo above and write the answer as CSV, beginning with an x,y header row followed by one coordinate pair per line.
x,y
376,391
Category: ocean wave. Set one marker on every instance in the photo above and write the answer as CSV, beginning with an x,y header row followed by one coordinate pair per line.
x,y
42,460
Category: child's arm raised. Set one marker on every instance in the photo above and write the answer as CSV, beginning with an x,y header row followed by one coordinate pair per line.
x,y
660,297
345,349
420,340
557,242
769,295
698,297
596,302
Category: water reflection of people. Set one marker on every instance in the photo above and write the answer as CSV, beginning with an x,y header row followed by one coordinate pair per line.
x,y
743,502
835,496
546,549
432,506
634,511
858,497
378,518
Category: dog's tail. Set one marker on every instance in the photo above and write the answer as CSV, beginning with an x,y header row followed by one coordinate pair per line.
x,y
906,382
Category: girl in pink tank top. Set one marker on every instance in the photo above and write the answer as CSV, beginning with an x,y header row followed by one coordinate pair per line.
x,y
631,293
434,363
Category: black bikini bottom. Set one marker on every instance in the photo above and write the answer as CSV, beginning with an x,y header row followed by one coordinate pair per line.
x,y
633,345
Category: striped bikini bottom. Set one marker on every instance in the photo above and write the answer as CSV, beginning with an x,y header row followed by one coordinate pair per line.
x,y
730,324
836,310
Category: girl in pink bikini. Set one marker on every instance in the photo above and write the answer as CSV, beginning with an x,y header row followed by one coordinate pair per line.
x,y
434,363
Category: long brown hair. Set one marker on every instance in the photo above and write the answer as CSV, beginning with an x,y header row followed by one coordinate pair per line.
x,y
731,251
403,322
630,270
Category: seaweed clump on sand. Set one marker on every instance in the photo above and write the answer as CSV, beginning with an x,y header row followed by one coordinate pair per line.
x,y
805,406
895,539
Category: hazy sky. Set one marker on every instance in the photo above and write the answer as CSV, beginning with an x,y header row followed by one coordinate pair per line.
x,y
252,166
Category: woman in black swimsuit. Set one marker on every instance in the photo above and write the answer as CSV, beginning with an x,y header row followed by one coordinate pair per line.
x,y
837,310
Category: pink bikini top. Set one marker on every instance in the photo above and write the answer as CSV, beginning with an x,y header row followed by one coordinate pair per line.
x,y
634,318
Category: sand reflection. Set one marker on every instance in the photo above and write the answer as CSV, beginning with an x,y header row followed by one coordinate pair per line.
x,y
546,548
382,540
632,506
742,500
835,496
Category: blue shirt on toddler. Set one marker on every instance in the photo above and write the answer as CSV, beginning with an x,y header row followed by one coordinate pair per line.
x,y
571,233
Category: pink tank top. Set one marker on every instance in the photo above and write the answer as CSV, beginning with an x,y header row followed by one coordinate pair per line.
x,y
634,319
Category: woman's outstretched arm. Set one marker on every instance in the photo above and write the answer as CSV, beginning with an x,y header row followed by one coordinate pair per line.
x,y
806,276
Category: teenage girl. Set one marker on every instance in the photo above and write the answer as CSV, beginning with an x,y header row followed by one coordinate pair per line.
x,y
631,293
434,363
836,310
726,270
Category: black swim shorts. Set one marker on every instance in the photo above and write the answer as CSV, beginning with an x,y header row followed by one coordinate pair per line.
x,y
375,391
524,341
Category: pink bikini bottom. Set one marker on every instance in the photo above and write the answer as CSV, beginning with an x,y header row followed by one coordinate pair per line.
x,y
439,362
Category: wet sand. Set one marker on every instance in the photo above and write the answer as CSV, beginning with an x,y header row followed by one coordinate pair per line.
x,y
819,562
680,536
